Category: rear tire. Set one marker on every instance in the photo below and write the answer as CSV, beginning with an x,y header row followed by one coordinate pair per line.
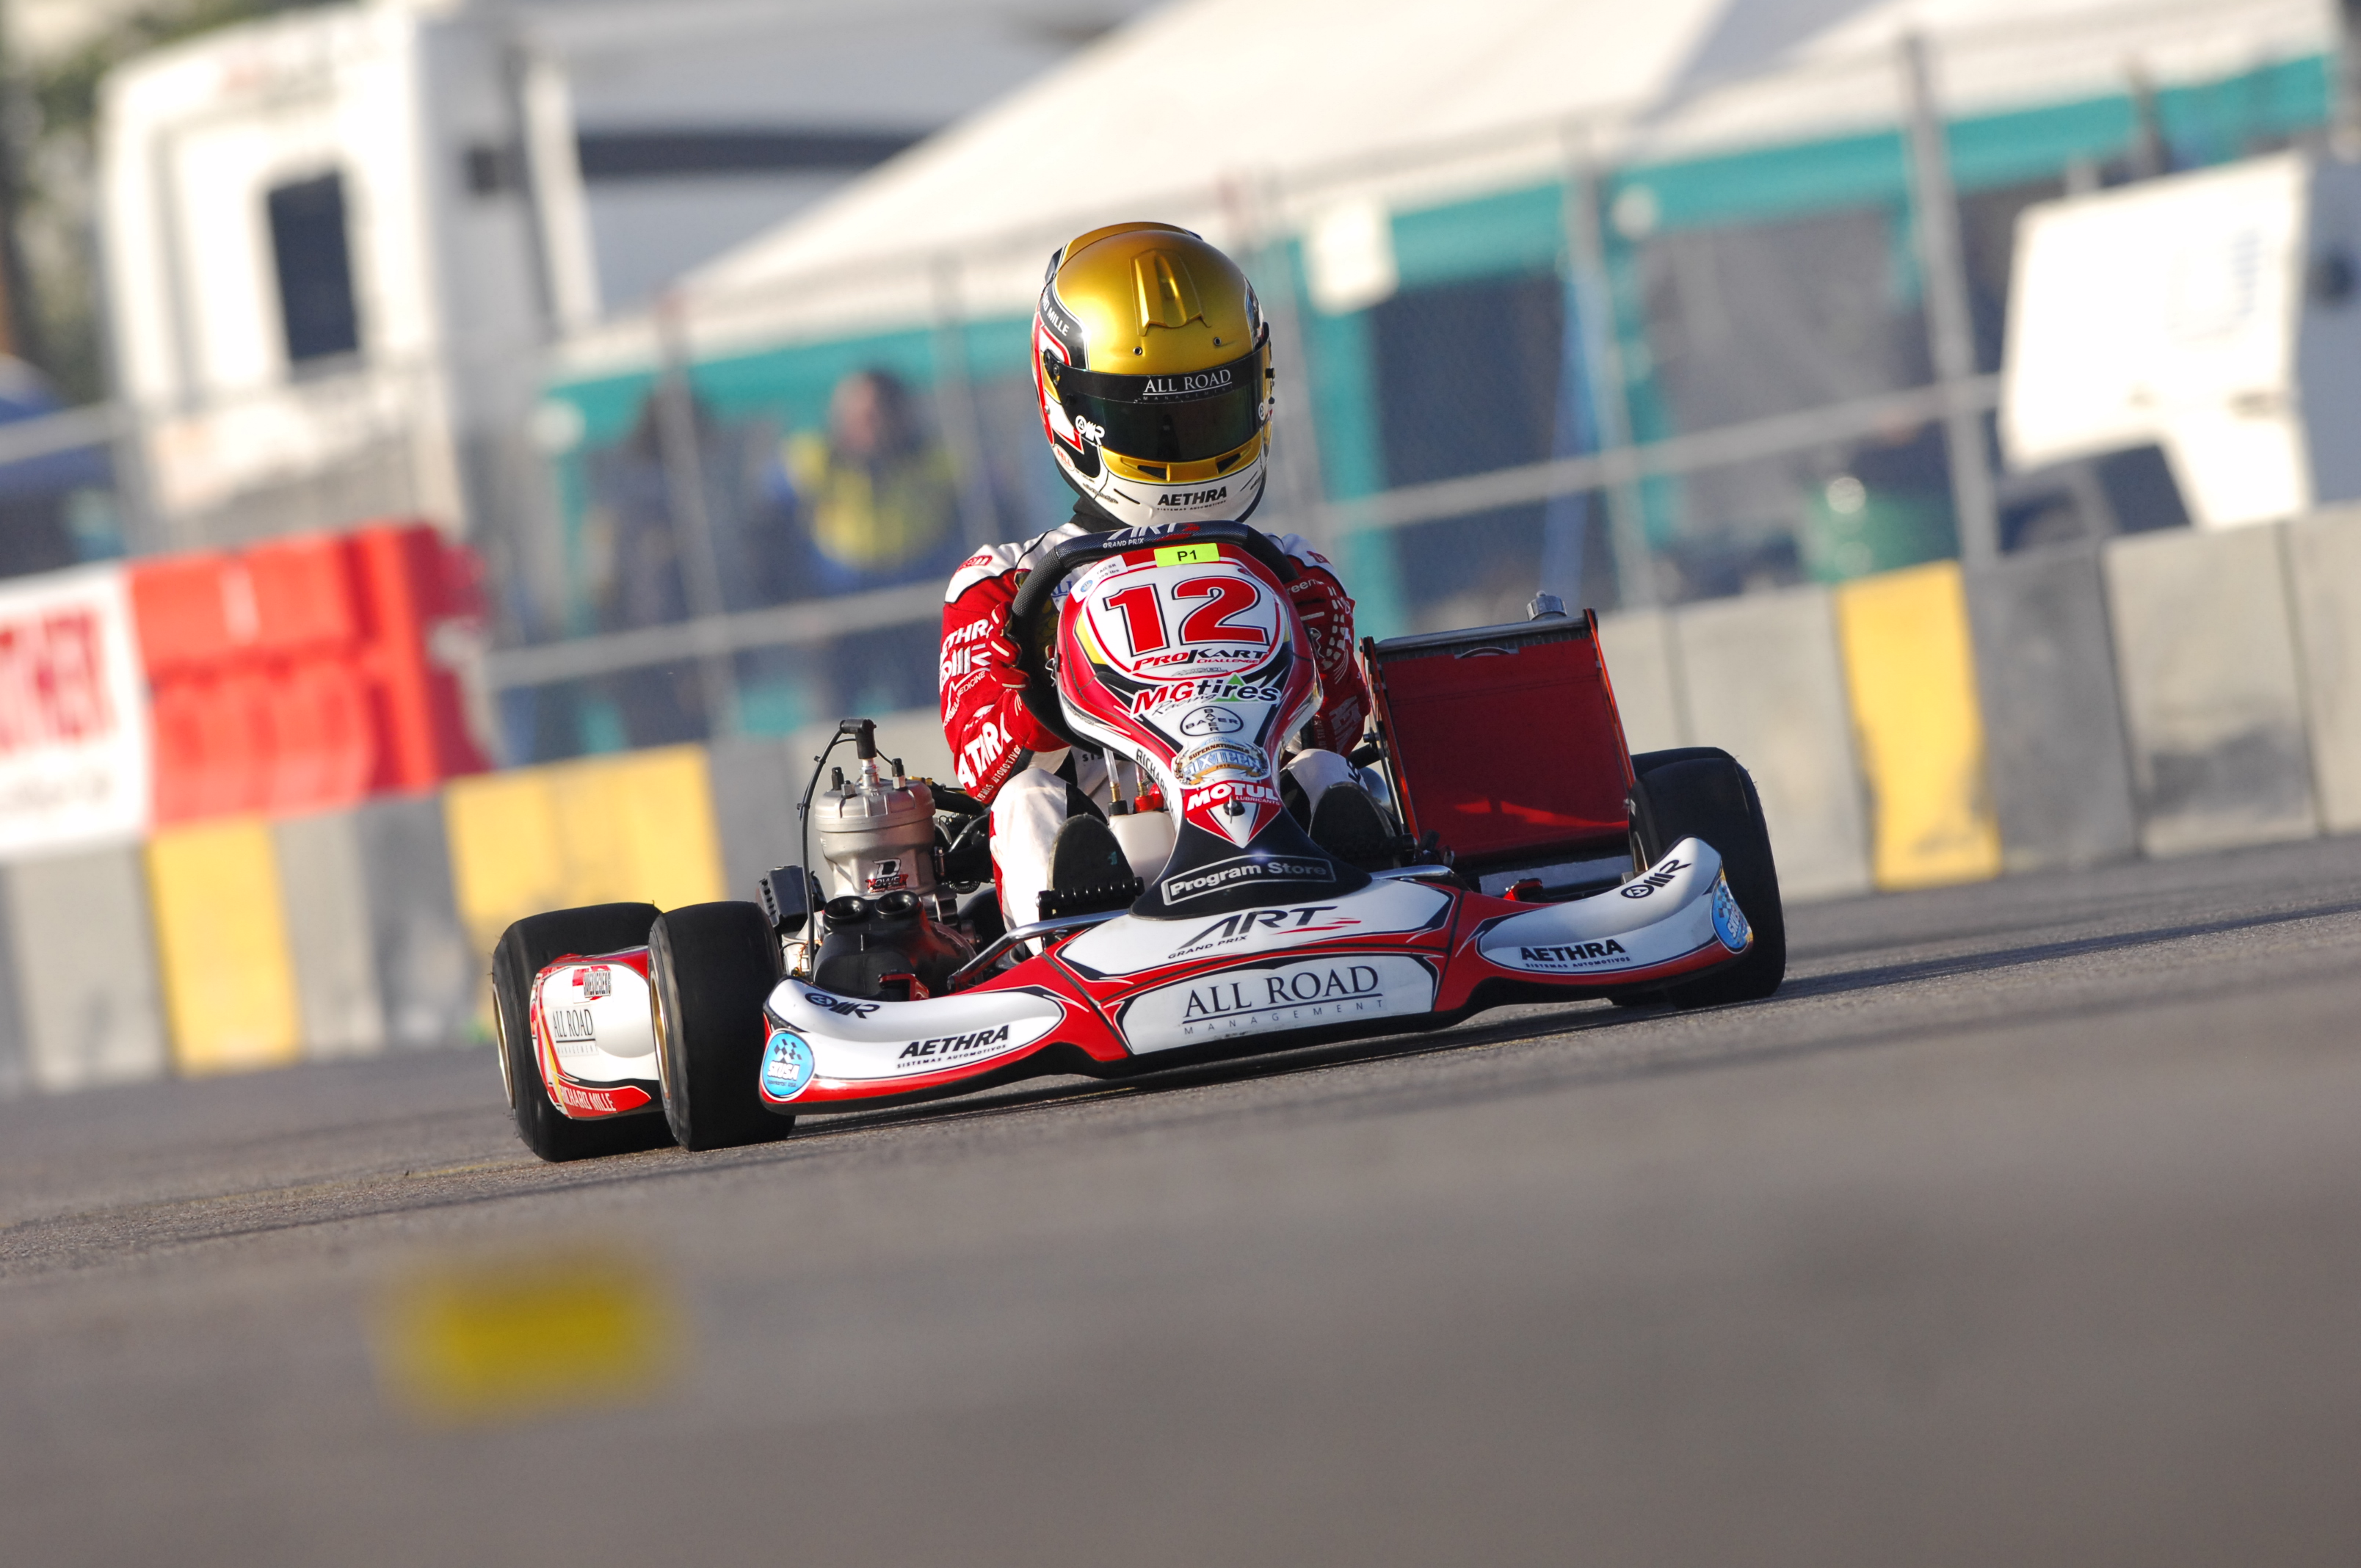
x,y
1699,792
713,966
1646,762
526,948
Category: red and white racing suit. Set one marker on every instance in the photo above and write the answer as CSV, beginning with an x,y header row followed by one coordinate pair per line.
x,y
1006,758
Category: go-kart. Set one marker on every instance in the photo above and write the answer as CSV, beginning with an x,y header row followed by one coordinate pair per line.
x,y
1528,857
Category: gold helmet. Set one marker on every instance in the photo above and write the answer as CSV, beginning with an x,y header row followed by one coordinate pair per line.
x,y
1153,363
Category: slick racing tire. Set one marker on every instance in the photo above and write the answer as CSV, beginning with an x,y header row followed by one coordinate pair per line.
x,y
1701,792
526,948
713,966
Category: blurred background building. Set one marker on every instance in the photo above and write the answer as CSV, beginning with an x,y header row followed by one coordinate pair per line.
x,y
704,322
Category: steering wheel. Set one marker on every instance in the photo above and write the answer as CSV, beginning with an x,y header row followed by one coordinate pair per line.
x,y
1033,623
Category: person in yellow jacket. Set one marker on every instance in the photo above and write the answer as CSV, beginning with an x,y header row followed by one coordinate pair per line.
x,y
880,497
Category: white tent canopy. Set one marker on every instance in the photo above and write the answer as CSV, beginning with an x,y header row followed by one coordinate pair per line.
x,y
1248,116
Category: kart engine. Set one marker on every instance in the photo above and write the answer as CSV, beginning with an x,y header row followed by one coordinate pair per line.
x,y
887,929
877,834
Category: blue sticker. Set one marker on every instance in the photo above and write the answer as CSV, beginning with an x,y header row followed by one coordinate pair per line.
x,y
1728,920
786,1066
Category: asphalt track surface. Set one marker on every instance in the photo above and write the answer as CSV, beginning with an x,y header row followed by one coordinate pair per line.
x,y
2022,1227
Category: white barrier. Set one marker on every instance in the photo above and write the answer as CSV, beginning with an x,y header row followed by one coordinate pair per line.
x,y
1763,681
2053,724
756,784
1638,647
2212,700
325,888
428,972
2325,579
84,959
2221,671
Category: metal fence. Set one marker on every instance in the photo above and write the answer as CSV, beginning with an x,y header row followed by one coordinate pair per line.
x,y
1563,368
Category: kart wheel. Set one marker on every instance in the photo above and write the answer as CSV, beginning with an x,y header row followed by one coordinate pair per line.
x,y
1703,793
1646,762
526,948
713,966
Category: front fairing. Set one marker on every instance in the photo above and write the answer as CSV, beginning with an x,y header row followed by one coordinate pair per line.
x,y
1191,661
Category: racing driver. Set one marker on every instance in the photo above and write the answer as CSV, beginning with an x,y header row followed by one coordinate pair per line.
x,y
1122,310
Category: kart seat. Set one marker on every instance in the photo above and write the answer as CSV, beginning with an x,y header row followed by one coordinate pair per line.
x,y
1504,742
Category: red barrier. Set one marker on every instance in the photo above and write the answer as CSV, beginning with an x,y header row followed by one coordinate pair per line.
x,y
304,672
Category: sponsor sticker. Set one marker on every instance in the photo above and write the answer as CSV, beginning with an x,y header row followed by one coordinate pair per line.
x,y
840,1006
945,1050
596,1017
879,1042
1728,920
1646,886
786,1064
1307,994
1245,792
1227,998
1244,869
1229,654
1188,554
1302,918
1133,947
1211,721
1562,957
574,1026
1208,688
74,749
1192,498
1200,764
580,1102
1196,384
1147,533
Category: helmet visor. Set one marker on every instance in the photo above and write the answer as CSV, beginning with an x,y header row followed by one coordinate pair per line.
x,y
1183,418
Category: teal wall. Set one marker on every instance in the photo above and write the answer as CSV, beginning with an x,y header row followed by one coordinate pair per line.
x,y
1521,232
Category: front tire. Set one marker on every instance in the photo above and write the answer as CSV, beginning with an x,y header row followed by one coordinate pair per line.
x,y
1699,792
713,966
526,948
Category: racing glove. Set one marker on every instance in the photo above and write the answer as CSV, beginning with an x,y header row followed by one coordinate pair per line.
x,y
1327,615
985,719
1320,603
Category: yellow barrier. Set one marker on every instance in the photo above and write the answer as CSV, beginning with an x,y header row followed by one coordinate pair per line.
x,y
1910,673
513,1338
637,825
221,941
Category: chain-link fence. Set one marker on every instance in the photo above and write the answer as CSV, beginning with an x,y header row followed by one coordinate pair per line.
x,y
1566,357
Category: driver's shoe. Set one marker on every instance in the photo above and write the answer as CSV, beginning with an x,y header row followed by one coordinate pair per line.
x,y
1088,870
1348,824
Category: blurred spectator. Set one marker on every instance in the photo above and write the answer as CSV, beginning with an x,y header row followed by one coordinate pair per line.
x,y
634,555
633,565
880,498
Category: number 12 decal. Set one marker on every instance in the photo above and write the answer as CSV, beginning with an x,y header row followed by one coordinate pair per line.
x,y
1214,622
